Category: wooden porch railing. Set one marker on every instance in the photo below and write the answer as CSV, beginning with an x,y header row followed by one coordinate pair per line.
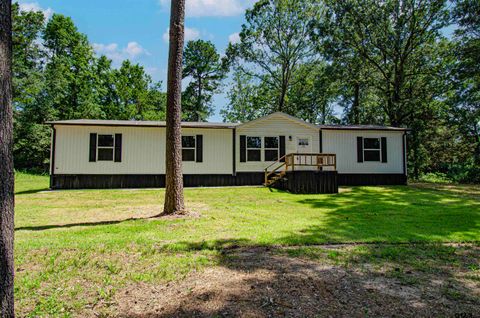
x,y
279,168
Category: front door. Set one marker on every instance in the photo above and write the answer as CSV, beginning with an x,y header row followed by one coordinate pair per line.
x,y
304,145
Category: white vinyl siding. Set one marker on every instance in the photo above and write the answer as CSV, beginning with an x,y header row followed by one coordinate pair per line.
x,y
143,151
343,143
143,148
275,125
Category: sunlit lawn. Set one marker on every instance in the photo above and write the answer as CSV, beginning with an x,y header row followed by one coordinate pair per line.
x,y
76,248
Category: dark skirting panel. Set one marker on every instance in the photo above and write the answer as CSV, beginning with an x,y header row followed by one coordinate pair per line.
x,y
309,182
322,182
361,179
83,181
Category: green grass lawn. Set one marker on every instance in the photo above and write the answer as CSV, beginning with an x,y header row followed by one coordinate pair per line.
x,y
76,248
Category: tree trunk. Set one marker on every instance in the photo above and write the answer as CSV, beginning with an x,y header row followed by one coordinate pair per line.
x,y
199,100
174,202
356,104
6,163
283,90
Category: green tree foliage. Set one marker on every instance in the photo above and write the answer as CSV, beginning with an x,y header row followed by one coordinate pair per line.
x,y
394,49
249,98
57,76
203,66
398,40
462,118
385,62
275,42
349,70
32,139
70,80
127,93
312,95
136,95
466,74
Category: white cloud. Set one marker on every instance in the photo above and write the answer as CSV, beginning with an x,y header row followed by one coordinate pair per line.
x,y
190,34
117,54
234,38
35,7
134,49
211,8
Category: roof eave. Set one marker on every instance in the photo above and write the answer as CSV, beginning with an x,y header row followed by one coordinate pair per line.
x,y
60,123
366,128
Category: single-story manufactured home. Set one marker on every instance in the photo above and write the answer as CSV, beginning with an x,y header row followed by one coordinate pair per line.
x,y
131,154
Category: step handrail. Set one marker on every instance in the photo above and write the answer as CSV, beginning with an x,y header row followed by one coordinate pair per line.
x,y
278,161
288,161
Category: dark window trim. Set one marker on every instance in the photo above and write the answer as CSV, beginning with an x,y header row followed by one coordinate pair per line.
x,y
384,148
320,138
243,148
92,148
117,155
283,147
199,148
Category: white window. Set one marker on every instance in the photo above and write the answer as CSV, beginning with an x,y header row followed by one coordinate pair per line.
x,y
271,149
188,148
106,147
371,149
304,142
254,148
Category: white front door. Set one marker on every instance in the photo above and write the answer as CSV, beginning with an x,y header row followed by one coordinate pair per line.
x,y
304,145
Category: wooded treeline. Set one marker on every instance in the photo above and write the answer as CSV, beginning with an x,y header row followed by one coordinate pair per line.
x,y
58,76
402,63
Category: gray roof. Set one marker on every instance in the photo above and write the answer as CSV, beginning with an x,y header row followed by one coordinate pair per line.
x,y
135,123
360,127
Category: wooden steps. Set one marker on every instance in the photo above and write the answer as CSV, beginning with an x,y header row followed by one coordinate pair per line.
x,y
278,169
274,177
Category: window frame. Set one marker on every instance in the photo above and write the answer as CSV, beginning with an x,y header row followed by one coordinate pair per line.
x,y
303,138
379,149
260,149
264,148
194,148
105,147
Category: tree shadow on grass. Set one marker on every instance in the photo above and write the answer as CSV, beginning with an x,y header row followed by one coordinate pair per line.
x,y
298,282
33,191
389,276
70,225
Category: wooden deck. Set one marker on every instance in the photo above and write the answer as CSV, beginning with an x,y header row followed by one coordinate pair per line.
x,y
304,173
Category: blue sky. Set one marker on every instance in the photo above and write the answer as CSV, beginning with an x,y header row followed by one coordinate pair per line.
x,y
137,29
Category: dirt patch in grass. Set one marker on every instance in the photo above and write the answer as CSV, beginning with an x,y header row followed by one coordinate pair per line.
x,y
261,282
